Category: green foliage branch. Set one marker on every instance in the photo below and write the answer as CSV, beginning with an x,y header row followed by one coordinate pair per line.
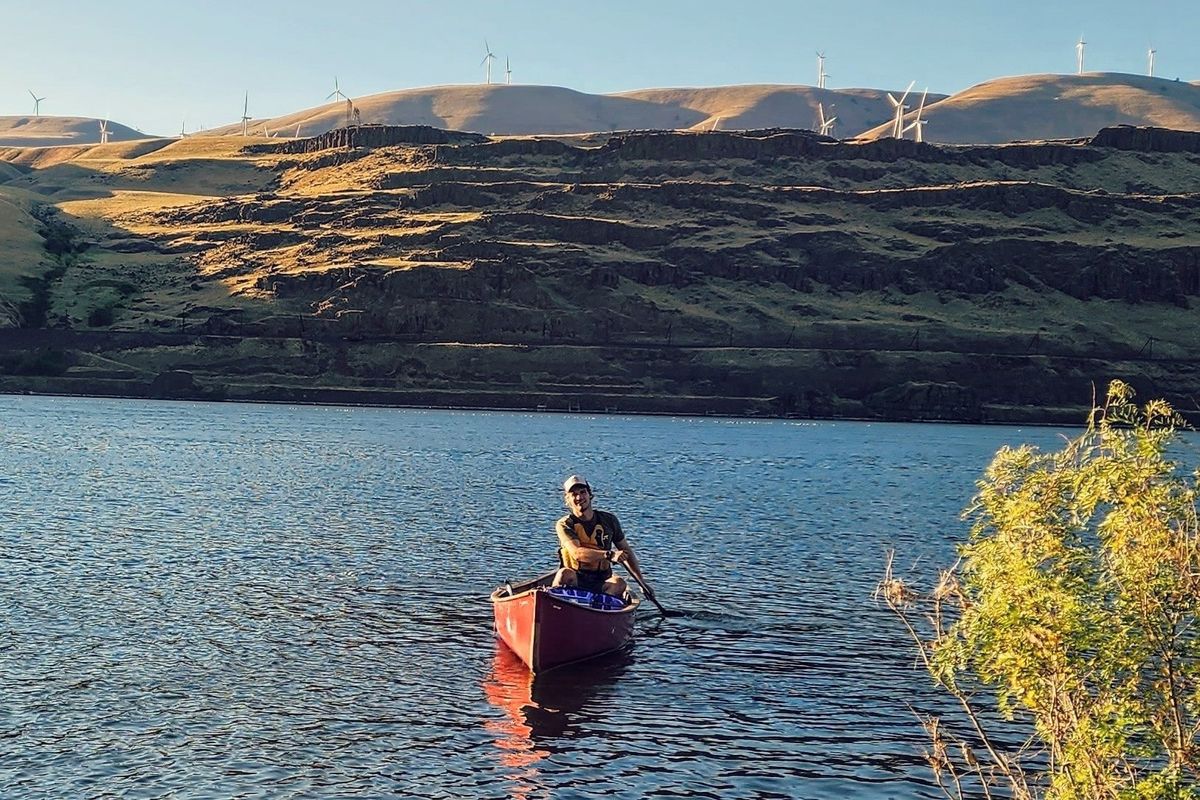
x,y
1073,613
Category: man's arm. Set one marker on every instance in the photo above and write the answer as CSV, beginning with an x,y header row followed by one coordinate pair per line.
x,y
589,558
622,551
623,554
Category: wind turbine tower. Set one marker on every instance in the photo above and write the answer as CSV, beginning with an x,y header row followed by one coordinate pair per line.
x,y
1150,55
246,116
821,76
898,105
103,131
487,60
37,103
507,72
1079,55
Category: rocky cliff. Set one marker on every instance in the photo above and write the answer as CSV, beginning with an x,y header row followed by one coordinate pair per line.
x,y
764,272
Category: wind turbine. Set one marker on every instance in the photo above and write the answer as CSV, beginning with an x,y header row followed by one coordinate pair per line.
x,y
246,116
1151,56
918,124
507,72
898,105
1079,55
824,126
37,103
337,91
183,129
821,76
488,59
103,131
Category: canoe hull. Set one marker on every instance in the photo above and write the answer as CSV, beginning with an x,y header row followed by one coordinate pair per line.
x,y
547,631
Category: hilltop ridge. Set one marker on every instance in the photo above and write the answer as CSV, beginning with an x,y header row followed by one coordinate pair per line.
x,y
1028,107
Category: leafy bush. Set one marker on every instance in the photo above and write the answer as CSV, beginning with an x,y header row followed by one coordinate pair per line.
x,y
40,361
1073,610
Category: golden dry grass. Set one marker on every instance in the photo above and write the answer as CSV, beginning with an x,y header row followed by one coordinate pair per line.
x,y
124,191
1038,107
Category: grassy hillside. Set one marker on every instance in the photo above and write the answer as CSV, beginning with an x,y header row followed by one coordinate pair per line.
x,y
1034,107
1018,108
770,272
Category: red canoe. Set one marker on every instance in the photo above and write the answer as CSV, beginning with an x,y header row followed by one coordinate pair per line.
x,y
549,629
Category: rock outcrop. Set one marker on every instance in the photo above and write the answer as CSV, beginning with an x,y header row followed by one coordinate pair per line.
x,y
766,272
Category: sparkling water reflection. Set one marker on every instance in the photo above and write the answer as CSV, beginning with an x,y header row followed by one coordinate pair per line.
x,y
219,600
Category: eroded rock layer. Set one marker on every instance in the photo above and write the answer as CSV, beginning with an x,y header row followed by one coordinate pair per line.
x,y
765,272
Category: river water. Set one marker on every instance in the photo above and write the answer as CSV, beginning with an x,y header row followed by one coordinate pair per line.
x,y
257,601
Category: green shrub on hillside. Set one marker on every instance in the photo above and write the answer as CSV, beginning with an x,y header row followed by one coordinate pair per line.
x,y
39,361
1073,610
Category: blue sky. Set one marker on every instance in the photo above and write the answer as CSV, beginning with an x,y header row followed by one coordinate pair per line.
x,y
158,65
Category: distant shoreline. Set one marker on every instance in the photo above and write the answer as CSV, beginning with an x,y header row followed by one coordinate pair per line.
x,y
1054,418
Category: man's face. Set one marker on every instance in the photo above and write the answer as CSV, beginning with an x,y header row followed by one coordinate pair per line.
x,y
579,500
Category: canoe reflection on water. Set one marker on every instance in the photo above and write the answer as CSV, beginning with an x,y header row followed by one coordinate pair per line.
x,y
543,713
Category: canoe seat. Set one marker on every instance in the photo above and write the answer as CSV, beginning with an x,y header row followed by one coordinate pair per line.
x,y
599,600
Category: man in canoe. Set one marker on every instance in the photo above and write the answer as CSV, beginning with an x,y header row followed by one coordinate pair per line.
x,y
590,542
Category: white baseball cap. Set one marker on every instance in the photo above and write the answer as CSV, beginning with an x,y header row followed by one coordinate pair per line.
x,y
576,480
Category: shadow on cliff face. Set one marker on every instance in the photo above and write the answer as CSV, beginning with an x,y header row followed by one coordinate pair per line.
x,y
750,269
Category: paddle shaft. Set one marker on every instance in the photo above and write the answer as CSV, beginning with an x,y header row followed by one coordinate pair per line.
x,y
645,589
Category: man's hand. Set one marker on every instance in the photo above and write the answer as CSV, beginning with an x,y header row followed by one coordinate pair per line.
x,y
618,556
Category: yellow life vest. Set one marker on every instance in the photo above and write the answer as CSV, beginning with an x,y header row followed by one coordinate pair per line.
x,y
595,546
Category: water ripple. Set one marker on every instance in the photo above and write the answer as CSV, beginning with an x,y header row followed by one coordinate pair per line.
x,y
218,600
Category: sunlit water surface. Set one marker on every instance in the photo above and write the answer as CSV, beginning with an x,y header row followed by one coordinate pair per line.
x,y
220,600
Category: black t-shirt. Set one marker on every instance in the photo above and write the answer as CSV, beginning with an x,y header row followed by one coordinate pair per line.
x,y
602,532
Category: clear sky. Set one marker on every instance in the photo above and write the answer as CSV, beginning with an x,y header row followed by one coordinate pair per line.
x,y
159,65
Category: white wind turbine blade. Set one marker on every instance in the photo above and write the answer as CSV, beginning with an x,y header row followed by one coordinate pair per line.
x,y
898,105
